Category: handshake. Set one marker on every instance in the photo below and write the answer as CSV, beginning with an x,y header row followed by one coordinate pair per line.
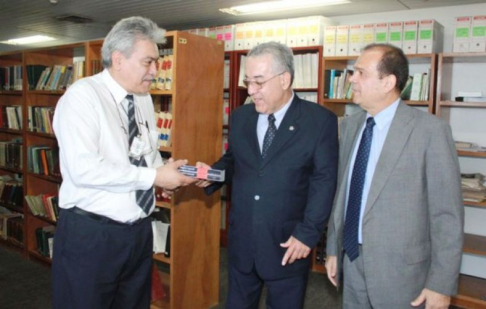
x,y
175,174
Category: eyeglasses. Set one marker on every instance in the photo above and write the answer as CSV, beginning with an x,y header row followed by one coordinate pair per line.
x,y
258,84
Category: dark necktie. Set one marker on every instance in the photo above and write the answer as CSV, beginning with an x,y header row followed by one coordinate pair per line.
x,y
269,135
145,198
351,224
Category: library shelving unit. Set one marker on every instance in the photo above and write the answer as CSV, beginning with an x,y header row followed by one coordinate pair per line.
x,y
196,104
10,98
417,63
37,183
458,72
191,272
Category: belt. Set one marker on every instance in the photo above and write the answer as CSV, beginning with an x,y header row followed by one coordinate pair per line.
x,y
101,218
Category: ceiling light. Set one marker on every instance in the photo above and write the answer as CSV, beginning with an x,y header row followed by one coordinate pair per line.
x,y
28,40
282,5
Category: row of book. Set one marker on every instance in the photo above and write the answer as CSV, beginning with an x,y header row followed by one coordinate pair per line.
x,y
44,237
11,154
39,119
43,160
57,77
11,117
321,249
11,78
416,36
337,84
44,205
11,192
165,75
11,226
417,87
305,71
473,187
164,127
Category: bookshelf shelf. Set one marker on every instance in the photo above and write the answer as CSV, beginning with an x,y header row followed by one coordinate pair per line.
x,y
475,154
47,220
11,170
47,92
38,256
449,103
161,92
11,131
475,244
162,258
471,292
12,208
13,243
40,134
163,205
11,92
474,204
53,179
458,72
165,149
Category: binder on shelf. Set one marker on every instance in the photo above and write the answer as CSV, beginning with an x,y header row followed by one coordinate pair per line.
x,y
478,34
342,40
355,40
330,41
368,34
293,31
410,35
431,35
381,33
395,33
462,34
240,36
229,37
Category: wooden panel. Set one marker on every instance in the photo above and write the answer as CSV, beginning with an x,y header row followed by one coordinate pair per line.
x,y
471,293
475,244
197,131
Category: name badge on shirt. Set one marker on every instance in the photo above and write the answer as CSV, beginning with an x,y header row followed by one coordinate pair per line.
x,y
137,148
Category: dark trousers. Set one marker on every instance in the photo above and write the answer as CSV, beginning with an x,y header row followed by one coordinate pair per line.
x,y
101,264
245,289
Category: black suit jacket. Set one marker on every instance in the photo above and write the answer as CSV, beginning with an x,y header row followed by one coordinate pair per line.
x,y
290,192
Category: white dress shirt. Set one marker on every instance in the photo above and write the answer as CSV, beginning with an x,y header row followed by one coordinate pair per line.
x,y
382,124
262,124
91,125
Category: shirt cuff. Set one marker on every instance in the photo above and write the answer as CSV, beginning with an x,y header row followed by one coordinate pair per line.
x,y
146,177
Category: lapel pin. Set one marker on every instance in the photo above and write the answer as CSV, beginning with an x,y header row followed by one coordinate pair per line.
x,y
291,128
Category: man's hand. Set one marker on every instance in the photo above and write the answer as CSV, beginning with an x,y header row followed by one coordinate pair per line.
x,y
203,183
295,250
169,178
331,268
433,300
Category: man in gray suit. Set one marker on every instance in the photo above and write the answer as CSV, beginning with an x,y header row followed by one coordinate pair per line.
x,y
397,220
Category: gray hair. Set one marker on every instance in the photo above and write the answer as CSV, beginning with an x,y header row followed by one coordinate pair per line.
x,y
123,36
283,57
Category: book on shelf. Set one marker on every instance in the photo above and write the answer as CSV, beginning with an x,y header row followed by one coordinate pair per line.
x,y
469,146
471,99
469,93
44,240
161,231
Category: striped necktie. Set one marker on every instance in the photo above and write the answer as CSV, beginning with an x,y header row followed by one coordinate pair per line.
x,y
145,198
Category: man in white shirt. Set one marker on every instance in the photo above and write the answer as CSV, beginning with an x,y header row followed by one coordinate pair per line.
x,y
109,161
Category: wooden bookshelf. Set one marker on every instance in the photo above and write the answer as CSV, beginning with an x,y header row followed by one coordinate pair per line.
x,y
338,106
451,79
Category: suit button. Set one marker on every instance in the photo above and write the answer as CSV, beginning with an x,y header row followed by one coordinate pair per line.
x,y
260,173
257,197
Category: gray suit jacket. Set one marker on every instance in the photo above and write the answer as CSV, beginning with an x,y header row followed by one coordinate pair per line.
x,y
414,217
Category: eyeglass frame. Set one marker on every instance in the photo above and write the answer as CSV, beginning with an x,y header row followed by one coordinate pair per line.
x,y
258,84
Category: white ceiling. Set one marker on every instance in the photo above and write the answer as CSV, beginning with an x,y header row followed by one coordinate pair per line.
x,y
20,18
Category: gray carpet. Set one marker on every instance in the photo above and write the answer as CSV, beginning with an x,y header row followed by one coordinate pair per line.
x,y
26,285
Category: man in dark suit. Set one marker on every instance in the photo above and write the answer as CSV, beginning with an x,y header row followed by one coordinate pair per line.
x,y
282,163
397,221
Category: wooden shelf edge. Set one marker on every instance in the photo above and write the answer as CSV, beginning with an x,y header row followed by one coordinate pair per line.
x,y
450,103
42,134
13,243
39,256
474,244
45,219
161,258
12,170
165,205
471,292
11,131
11,92
478,154
318,268
48,178
467,203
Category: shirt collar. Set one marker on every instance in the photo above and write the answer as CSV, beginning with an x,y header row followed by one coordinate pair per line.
x,y
281,112
116,90
383,118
